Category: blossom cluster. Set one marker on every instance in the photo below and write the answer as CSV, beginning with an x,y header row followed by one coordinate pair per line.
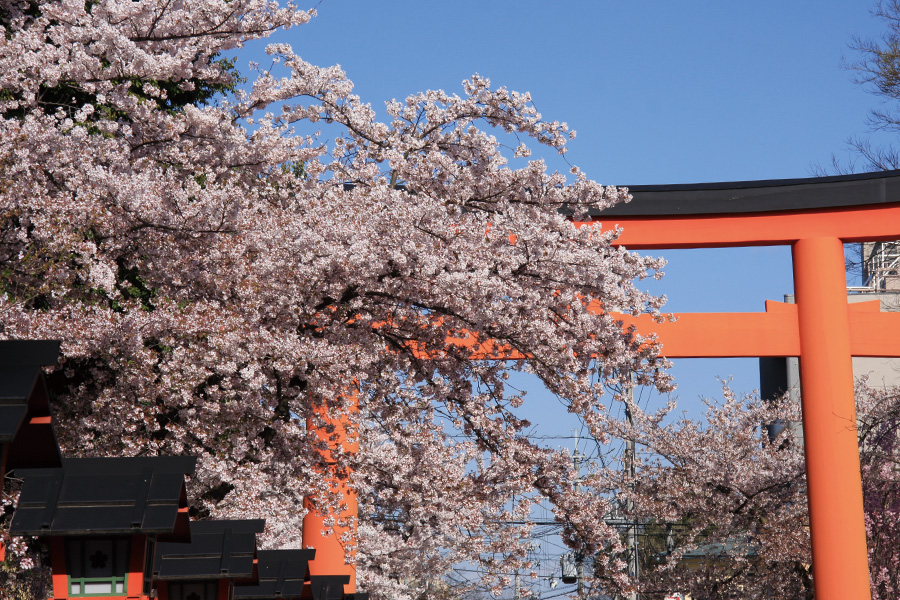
x,y
723,498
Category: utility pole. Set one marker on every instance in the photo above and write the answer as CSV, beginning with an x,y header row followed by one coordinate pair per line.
x,y
631,534
579,556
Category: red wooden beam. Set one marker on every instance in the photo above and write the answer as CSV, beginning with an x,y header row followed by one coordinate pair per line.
x,y
856,224
731,335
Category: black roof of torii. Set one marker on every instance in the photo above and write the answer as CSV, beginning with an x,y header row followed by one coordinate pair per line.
x,y
770,195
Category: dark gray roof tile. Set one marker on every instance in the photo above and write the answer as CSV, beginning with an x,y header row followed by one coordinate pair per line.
x,y
11,418
25,423
218,549
16,382
97,496
281,575
328,587
29,352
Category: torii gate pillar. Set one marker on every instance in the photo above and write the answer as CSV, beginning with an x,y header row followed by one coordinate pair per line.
x,y
329,533
829,421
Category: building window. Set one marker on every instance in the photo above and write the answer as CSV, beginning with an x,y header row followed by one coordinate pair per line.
x,y
201,590
97,566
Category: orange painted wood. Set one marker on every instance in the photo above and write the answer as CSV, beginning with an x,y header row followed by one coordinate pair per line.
x,y
875,334
705,335
855,224
486,350
692,335
134,582
772,333
724,335
330,548
840,559
60,576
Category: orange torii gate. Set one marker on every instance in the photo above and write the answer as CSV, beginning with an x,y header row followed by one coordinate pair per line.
x,y
815,217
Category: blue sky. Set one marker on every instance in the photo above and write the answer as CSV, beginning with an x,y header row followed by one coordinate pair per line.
x,y
660,91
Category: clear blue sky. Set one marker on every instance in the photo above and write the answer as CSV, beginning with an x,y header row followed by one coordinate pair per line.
x,y
660,91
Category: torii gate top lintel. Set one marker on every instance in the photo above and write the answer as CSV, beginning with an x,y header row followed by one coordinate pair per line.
x,y
853,208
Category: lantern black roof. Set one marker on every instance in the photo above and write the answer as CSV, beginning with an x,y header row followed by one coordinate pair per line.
x,y
281,575
24,407
328,587
105,496
217,550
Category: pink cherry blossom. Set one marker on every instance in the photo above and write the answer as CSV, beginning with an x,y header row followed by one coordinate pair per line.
x,y
213,277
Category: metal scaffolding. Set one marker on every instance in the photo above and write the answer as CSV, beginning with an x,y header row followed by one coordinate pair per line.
x,y
881,265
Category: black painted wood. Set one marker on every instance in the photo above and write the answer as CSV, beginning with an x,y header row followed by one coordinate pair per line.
x,y
774,195
328,587
217,550
24,402
102,496
281,575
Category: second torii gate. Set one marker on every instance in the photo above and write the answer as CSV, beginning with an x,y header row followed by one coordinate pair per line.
x,y
815,217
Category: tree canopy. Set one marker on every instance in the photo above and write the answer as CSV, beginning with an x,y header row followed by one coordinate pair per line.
x,y
215,269
878,70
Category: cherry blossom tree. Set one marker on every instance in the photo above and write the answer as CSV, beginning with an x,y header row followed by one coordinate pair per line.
x,y
216,270
725,507
877,70
880,458
725,504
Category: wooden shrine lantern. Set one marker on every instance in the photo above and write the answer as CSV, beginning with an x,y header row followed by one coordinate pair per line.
x,y
279,575
330,587
102,518
219,552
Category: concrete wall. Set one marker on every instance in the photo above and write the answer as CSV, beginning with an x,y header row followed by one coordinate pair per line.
x,y
881,372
